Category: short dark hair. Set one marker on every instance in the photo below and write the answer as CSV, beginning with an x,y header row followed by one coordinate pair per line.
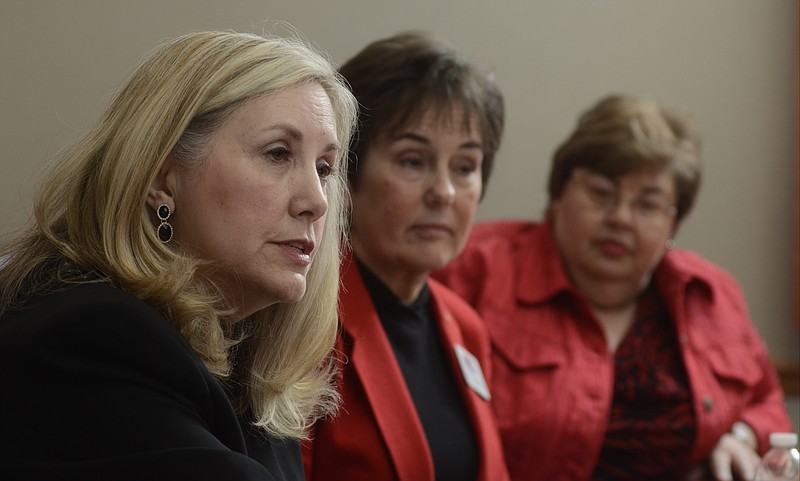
x,y
621,134
398,79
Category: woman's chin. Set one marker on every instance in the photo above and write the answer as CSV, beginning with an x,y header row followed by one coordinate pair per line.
x,y
292,293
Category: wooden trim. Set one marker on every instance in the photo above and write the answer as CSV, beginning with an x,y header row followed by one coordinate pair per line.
x,y
789,375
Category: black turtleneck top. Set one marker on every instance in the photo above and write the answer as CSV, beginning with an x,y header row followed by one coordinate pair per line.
x,y
420,352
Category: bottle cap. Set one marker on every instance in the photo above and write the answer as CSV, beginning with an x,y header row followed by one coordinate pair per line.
x,y
783,440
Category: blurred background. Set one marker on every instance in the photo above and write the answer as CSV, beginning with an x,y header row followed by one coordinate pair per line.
x,y
733,64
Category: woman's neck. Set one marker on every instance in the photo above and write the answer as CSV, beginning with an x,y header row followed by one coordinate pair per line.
x,y
406,288
615,324
405,284
609,295
613,304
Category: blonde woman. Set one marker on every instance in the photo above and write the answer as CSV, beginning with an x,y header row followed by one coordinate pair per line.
x,y
169,312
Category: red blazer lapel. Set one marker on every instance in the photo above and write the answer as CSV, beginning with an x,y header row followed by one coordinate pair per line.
x,y
452,335
491,467
375,364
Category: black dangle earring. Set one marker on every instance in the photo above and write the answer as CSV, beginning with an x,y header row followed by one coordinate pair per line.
x,y
164,229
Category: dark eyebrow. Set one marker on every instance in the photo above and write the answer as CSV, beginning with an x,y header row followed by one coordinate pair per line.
x,y
652,190
470,144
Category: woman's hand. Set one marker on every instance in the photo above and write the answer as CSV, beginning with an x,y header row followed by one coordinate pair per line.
x,y
735,456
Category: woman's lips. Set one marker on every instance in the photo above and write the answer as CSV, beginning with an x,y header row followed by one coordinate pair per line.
x,y
432,230
613,248
298,250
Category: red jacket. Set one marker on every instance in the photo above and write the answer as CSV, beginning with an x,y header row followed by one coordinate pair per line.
x,y
553,378
377,435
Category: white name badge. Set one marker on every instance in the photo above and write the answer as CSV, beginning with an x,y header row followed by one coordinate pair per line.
x,y
473,374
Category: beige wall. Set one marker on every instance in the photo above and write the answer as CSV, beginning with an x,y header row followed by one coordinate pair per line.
x,y
733,63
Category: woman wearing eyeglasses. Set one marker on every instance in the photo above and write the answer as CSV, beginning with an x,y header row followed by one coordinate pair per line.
x,y
616,356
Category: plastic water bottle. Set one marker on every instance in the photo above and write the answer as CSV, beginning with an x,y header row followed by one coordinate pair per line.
x,y
782,461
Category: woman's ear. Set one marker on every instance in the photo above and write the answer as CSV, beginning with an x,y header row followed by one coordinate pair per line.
x,y
676,225
162,190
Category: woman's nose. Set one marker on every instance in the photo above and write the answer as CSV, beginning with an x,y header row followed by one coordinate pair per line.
x,y
308,197
622,211
441,191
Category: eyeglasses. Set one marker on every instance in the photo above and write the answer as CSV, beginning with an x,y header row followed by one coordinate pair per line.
x,y
601,194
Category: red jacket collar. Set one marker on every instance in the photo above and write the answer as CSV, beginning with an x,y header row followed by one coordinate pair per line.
x,y
540,272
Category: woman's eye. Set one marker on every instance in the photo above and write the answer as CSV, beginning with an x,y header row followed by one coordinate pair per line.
x,y
324,170
650,207
601,194
278,154
411,162
647,208
465,168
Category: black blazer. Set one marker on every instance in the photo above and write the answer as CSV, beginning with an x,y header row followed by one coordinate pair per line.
x,y
96,385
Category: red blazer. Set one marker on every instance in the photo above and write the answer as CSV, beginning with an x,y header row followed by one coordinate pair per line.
x,y
552,378
377,435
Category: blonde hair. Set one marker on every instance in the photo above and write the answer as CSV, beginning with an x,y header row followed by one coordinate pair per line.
x,y
91,214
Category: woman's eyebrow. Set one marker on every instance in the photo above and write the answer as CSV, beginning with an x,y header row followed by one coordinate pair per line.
x,y
412,136
470,144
